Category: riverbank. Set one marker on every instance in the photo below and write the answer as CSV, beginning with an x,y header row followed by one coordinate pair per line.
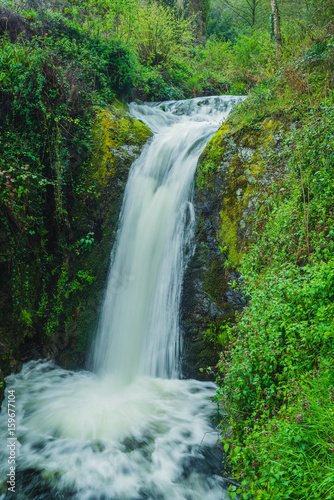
x,y
275,157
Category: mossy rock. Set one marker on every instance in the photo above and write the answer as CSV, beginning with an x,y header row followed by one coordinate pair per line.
x,y
117,141
247,159
61,284
234,173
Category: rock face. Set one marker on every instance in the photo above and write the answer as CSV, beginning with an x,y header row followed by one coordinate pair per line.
x,y
208,301
118,140
75,288
233,173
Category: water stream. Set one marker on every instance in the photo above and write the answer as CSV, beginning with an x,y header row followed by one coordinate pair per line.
x,y
131,429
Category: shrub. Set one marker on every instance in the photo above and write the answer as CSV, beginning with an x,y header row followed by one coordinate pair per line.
x,y
276,380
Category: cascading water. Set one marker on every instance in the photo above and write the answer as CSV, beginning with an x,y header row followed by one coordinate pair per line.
x,y
139,331
131,430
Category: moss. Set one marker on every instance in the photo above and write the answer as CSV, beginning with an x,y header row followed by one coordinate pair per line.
x,y
227,236
245,157
210,159
117,138
117,141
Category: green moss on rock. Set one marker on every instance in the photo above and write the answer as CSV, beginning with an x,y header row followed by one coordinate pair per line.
x,y
211,159
117,141
50,299
248,160
233,175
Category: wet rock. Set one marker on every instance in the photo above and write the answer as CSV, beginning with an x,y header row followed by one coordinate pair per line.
x,y
59,324
233,174
205,304
118,140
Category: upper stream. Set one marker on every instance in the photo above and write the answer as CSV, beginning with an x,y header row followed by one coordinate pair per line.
x,y
131,429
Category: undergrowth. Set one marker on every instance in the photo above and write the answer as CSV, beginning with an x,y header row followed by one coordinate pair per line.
x,y
276,373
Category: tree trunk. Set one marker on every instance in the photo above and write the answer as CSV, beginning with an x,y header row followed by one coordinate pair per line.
x,y
277,28
199,8
253,13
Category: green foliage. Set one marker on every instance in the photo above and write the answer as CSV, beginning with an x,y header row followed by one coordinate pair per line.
x,y
220,23
237,67
87,242
295,89
38,115
312,13
230,19
51,82
160,35
105,66
276,379
217,337
304,429
121,47
240,38
246,15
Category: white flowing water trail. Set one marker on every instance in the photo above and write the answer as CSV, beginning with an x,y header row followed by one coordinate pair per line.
x,y
131,430
139,329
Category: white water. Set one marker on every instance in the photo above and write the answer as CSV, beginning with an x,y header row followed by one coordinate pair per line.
x,y
131,430
139,330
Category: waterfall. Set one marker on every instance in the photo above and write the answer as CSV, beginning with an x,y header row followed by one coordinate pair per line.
x,y
139,328
131,429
